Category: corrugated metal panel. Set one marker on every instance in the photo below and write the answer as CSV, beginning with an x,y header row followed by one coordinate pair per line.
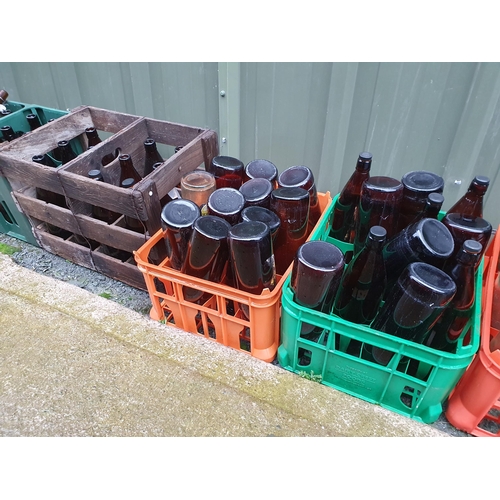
x,y
443,117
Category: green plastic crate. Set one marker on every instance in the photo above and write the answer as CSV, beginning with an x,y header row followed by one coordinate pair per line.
x,y
13,107
12,221
417,392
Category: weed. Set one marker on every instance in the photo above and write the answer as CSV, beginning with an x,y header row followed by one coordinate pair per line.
x,y
7,249
105,295
311,376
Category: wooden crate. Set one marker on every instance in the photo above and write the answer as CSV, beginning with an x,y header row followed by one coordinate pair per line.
x,y
128,134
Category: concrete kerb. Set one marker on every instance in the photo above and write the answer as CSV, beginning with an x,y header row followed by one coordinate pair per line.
x,y
338,413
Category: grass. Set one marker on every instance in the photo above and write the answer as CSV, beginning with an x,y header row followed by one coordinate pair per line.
x,y
311,376
7,249
105,295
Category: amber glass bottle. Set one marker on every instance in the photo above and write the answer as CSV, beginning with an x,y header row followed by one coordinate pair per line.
x,y
93,138
471,203
152,155
65,152
128,170
345,211
33,121
131,222
450,328
364,281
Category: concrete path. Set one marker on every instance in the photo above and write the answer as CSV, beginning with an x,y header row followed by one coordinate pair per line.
x,y
76,364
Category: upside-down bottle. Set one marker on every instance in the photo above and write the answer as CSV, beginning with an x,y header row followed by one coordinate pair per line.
x,y
345,210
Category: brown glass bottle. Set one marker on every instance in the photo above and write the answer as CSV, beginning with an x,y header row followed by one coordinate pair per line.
x,y
417,187
109,217
33,121
131,222
346,206
412,308
450,327
378,206
93,138
471,203
262,169
8,133
427,240
432,208
128,170
152,155
228,171
302,176
226,203
316,275
257,192
65,152
364,281
291,205
4,95
178,218
263,215
51,197
207,252
465,228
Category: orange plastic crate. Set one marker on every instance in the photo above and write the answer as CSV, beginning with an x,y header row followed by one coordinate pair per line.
x,y
474,405
221,316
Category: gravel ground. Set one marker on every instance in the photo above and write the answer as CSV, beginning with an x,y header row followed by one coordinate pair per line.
x,y
43,262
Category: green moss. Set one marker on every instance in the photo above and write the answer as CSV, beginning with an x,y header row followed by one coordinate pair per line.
x,y
7,249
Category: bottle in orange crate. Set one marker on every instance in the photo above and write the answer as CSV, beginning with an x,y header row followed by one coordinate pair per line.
x,y
451,325
257,192
262,169
177,219
251,256
228,171
226,203
93,138
128,171
379,205
207,252
302,176
263,215
152,155
344,213
471,203
291,205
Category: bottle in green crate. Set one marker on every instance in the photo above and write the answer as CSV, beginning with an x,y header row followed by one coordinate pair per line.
x,y
152,155
412,308
470,205
8,133
363,283
452,323
345,211
33,121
